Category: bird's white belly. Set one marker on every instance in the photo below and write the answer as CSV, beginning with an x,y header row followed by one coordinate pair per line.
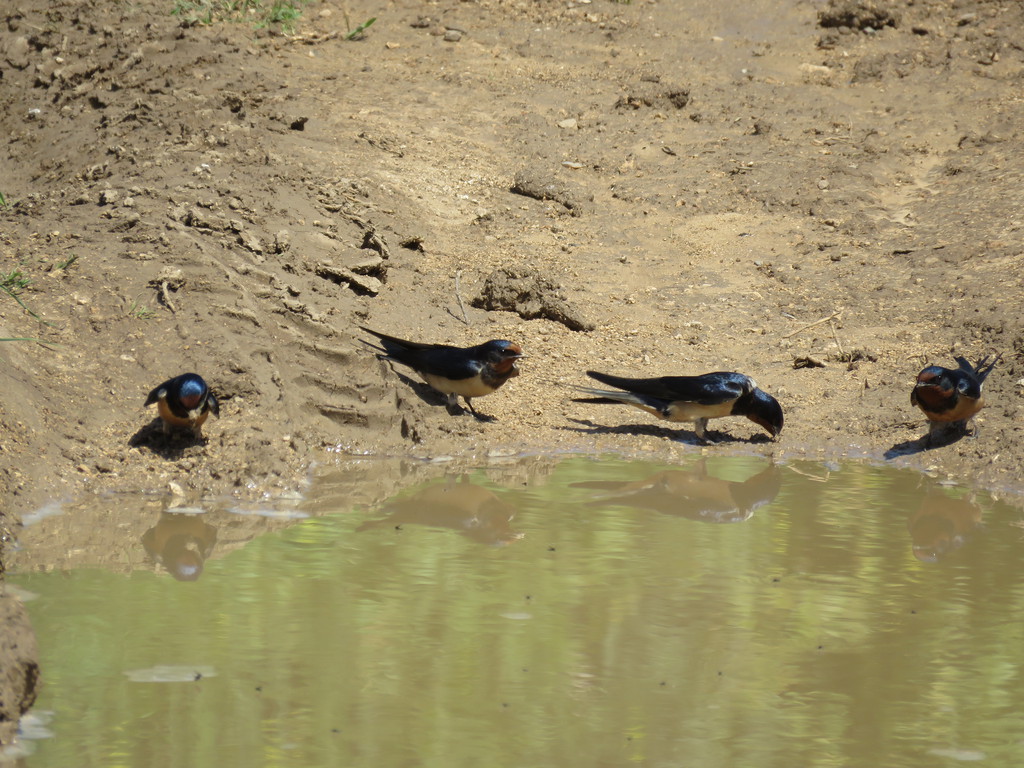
x,y
472,387
683,411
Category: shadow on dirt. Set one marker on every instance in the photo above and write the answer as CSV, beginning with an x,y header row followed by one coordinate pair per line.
x,y
685,436
924,443
169,446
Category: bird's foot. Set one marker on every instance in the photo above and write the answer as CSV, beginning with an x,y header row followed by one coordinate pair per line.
x,y
700,429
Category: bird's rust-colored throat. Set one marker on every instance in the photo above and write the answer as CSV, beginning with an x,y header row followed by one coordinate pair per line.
x,y
507,365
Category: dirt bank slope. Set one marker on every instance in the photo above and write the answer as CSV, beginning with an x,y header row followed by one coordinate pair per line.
x,y
234,201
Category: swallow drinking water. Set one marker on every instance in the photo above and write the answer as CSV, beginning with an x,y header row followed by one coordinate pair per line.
x,y
951,397
692,398
184,401
454,371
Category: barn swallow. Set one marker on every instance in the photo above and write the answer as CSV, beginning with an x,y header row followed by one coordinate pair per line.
x,y
692,398
454,371
951,397
184,401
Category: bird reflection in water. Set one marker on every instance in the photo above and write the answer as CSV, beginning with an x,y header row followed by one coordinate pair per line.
x,y
180,543
472,510
942,524
694,494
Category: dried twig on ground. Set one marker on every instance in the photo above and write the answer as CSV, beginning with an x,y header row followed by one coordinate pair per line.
x,y
833,316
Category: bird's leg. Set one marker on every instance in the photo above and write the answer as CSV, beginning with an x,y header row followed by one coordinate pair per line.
x,y
477,416
453,404
197,431
941,433
700,427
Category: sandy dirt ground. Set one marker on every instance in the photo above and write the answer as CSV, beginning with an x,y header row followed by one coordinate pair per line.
x,y
823,196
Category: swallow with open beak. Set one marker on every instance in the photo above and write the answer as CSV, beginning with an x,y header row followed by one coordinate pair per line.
x,y
184,401
692,398
454,371
951,397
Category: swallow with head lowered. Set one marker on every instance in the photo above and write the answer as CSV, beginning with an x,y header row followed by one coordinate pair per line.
x,y
950,397
692,398
184,401
468,372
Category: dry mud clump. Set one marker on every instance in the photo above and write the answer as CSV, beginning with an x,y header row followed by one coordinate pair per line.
x,y
530,295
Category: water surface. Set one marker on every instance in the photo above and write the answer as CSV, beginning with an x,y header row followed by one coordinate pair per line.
x,y
546,612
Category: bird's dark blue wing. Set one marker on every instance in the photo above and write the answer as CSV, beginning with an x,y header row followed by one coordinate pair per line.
x,y
966,367
980,369
707,389
155,394
449,362
434,359
392,344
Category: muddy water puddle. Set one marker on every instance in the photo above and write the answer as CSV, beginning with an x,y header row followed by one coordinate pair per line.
x,y
537,612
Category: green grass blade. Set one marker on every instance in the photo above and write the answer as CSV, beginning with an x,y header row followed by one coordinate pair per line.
x,y
14,296
360,29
